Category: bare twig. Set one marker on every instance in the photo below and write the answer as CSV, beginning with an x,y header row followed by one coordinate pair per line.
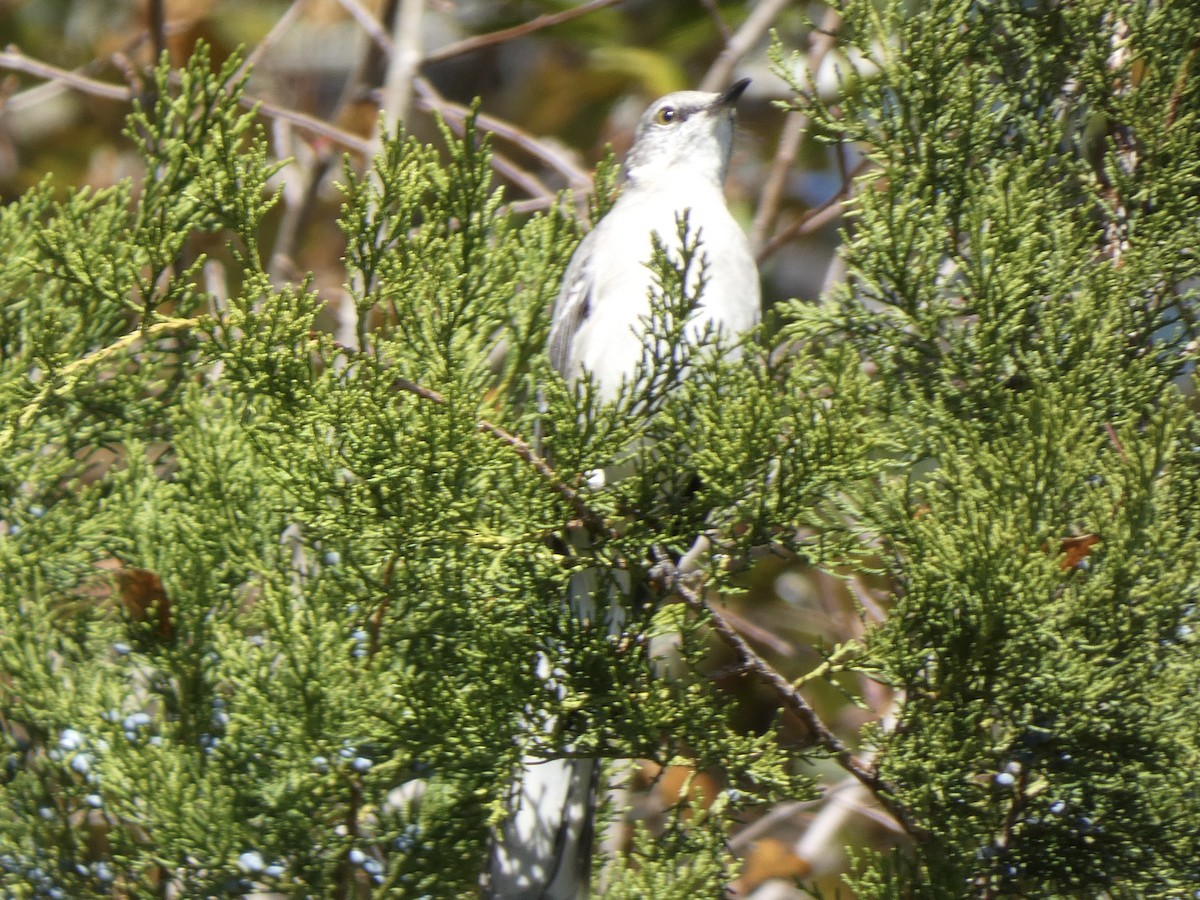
x,y
1115,440
296,213
471,44
282,24
119,58
590,518
523,207
710,6
523,179
402,69
820,43
813,219
158,28
340,136
1180,85
795,703
758,634
576,177
13,59
367,22
742,42
841,801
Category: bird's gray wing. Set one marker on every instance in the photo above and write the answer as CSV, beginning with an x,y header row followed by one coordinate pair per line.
x,y
572,306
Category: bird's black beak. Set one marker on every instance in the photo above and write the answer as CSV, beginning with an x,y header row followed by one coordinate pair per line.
x,y
730,97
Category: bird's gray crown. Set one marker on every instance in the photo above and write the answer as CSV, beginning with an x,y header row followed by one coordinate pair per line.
x,y
687,134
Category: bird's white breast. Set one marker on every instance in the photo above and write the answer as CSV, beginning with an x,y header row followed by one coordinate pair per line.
x,y
608,342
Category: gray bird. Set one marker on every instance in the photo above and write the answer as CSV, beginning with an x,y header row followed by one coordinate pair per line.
x,y
677,164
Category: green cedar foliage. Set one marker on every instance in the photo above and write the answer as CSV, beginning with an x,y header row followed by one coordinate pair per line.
x,y
1022,265
271,603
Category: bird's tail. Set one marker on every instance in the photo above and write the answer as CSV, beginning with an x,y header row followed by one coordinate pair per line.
x,y
544,849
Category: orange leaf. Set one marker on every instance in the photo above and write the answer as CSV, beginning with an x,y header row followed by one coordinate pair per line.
x,y
771,858
142,593
1076,549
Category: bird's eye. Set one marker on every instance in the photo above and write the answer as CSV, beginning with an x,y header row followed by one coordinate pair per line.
x,y
666,115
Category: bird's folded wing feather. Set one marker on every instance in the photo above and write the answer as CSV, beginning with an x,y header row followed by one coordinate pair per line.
x,y
572,306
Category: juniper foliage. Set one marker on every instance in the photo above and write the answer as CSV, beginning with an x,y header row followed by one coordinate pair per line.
x,y
271,602
1022,266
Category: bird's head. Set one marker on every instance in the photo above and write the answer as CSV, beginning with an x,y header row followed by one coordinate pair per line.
x,y
687,134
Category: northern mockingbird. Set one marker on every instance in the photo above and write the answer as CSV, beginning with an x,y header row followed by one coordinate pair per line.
x,y
677,165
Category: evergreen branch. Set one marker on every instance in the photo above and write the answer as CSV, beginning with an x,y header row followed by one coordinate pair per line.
x,y
73,371
590,518
837,661
795,703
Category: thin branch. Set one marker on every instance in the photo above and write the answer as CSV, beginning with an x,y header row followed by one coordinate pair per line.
x,y
119,58
752,31
841,801
757,633
367,22
12,58
576,177
809,221
710,6
397,95
1115,440
1180,85
309,123
297,212
158,28
814,219
820,43
588,516
471,44
282,24
794,702
523,179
